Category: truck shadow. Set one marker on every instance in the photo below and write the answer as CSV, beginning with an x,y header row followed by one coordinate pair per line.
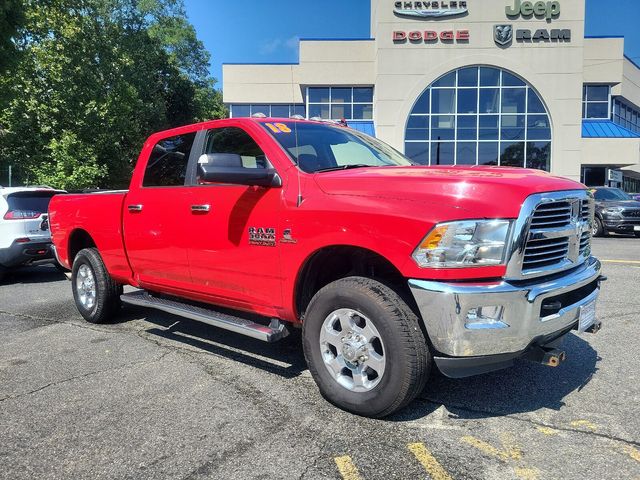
x,y
523,388
32,275
282,358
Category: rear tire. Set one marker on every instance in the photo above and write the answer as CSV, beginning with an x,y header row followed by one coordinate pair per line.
x,y
388,336
96,294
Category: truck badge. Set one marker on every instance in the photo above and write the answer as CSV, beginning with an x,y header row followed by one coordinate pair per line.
x,y
262,237
503,34
287,237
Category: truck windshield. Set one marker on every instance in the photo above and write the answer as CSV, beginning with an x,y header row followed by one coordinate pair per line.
x,y
611,194
318,147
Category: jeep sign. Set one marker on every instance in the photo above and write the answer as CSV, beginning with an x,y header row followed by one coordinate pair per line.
x,y
546,10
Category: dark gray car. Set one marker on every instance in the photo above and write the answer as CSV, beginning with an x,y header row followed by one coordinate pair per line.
x,y
616,212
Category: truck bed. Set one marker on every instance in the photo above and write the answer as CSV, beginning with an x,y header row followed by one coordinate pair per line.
x,y
98,214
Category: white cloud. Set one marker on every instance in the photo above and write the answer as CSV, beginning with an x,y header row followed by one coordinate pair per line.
x,y
276,44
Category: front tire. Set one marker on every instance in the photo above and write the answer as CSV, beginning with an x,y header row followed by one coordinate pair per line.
x,y
598,229
96,294
364,347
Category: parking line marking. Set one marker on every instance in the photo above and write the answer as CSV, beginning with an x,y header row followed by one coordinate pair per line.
x,y
631,262
507,453
347,468
632,452
548,431
584,423
527,473
428,461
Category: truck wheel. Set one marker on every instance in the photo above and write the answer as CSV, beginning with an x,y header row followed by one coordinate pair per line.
x,y
364,347
3,271
96,295
598,228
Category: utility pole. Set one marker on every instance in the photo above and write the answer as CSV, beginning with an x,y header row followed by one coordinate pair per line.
x,y
9,175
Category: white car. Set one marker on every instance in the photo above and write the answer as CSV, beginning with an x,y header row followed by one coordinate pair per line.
x,y
24,226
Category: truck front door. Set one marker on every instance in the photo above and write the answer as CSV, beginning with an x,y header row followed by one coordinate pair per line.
x,y
233,240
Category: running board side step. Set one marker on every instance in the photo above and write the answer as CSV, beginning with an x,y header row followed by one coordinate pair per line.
x,y
272,333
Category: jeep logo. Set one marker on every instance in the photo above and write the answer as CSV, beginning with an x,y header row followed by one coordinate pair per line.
x,y
547,10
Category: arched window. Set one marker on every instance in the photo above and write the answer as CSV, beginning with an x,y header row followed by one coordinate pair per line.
x,y
479,116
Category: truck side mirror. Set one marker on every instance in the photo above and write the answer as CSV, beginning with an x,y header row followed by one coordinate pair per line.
x,y
227,168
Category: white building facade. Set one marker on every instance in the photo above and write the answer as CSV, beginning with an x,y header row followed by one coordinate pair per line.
x,y
495,82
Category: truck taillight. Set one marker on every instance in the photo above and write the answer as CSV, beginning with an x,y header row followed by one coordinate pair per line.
x,y
21,215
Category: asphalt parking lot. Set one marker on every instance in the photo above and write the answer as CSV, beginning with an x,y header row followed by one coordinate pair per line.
x,y
155,396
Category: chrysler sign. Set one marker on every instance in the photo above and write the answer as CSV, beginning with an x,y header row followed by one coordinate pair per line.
x,y
431,9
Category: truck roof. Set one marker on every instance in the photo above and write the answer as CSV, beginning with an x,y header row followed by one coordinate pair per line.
x,y
212,124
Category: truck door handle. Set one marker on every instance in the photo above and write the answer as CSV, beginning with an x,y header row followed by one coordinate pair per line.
x,y
134,208
200,208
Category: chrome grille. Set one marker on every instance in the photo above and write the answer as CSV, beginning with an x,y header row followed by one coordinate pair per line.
x,y
631,213
555,235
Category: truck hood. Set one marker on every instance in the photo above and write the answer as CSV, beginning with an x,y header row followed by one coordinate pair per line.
x,y
483,192
627,204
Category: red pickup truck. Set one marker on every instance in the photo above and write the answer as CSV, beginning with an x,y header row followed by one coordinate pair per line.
x,y
261,225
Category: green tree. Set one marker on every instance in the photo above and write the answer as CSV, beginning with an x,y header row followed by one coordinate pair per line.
x,y
95,78
11,18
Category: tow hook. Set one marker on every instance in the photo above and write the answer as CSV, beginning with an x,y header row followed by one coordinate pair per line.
x,y
553,358
595,328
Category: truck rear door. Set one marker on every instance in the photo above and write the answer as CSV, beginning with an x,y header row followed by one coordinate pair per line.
x,y
154,216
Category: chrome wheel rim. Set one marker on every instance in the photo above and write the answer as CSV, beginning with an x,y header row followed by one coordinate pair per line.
x,y
86,287
352,350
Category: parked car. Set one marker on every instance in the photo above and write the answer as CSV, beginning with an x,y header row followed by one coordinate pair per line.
x,y
24,227
616,212
388,267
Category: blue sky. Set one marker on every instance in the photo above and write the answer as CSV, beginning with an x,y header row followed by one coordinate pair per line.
x,y
238,31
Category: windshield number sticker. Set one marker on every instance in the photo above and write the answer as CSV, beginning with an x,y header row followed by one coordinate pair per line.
x,y
278,127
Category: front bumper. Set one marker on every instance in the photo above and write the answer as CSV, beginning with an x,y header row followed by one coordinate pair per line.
x,y
24,253
535,312
621,224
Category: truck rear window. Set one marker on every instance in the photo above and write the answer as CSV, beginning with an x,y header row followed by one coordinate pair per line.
x,y
30,201
167,165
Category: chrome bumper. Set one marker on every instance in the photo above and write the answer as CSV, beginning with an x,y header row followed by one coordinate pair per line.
x,y
445,308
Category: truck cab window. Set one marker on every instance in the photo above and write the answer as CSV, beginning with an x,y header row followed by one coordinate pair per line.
x,y
167,166
237,141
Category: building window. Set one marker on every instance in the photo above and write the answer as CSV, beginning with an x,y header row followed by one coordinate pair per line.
x,y
273,110
479,116
626,115
596,101
338,103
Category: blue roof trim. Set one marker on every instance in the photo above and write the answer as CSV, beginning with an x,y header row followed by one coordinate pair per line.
x,y
635,64
604,36
261,63
337,39
605,129
364,126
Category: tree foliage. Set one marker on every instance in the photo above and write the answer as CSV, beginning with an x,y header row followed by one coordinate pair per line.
x,y
94,79
11,18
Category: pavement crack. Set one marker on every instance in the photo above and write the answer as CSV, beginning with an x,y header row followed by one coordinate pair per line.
x,y
85,375
532,422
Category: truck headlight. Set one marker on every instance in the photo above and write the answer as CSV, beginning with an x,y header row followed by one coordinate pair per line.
x,y
468,243
615,211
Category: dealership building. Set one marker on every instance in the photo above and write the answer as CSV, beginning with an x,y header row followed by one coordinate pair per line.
x,y
487,82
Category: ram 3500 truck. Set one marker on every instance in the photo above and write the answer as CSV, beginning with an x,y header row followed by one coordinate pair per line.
x,y
261,225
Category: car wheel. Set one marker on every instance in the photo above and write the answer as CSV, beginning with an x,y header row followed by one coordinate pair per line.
x,y
637,234
364,347
597,229
96,294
